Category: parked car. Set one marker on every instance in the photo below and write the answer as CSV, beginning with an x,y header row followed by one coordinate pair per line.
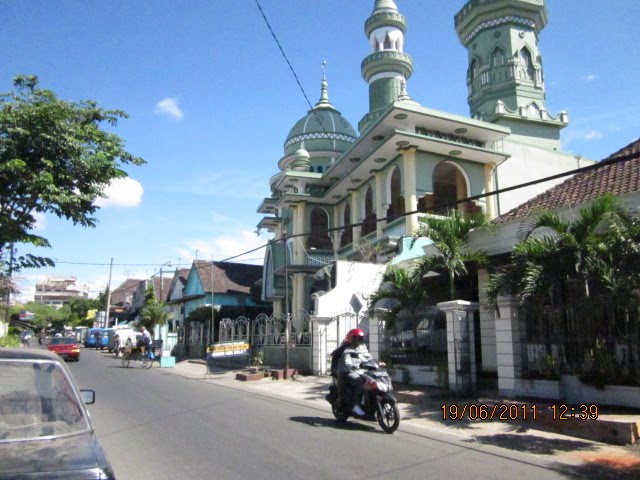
x,y
66,347
93,336
45,430
104,340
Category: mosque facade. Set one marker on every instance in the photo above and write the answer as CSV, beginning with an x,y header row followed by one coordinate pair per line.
x,y
347,195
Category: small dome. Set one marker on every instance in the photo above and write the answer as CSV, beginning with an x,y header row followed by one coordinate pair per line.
x,y
323,128
301,161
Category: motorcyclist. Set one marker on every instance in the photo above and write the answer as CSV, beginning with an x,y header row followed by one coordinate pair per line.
x,y
350,367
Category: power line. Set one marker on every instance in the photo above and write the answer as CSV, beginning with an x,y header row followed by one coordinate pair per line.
x,y
295,76
595,166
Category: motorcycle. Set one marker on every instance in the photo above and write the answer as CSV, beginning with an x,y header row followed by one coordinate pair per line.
x,y
378,401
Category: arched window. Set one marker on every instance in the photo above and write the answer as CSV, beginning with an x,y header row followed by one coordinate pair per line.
x,y
396,200
449,186
526,64
319,231
497,57
474,69
347,234
369,224
387,42
319,169
267,276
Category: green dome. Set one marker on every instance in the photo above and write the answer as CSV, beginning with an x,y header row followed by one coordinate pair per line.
x,y
322,129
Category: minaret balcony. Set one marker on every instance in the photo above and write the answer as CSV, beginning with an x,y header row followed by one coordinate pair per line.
x,y
385,19
387,61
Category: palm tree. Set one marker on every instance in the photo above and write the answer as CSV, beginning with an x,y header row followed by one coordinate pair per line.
x,y
450,236
581,250
405,290
153,312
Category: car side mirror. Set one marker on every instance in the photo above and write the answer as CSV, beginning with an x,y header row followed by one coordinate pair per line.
x,y
88,396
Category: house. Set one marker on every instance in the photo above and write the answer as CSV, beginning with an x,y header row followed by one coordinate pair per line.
x,y
618,174
351,196
161,286
58,291
122,300
175,299
226,288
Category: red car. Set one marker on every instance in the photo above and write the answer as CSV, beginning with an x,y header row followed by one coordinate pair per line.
x,y
66,347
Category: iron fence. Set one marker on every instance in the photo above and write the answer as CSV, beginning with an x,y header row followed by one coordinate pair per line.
x,y
426,346
597,339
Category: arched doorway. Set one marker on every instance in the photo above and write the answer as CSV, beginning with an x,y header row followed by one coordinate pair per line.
x,y
450,185
319,231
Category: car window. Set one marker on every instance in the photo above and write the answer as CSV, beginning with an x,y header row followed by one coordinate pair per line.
x,y
37,400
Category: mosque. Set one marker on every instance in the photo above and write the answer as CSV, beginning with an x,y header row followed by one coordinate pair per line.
x,y
343,202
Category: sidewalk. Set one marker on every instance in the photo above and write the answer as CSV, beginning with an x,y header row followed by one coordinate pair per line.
x,y
422,407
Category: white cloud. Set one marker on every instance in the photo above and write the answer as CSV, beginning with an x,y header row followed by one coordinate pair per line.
x,y
122,192
590,77
224,246
41,221
169,107
593,135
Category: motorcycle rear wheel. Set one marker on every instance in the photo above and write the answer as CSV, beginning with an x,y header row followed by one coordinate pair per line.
x,y
339,413
389,419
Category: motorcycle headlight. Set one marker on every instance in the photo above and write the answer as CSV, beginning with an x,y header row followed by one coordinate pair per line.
x,y
383,387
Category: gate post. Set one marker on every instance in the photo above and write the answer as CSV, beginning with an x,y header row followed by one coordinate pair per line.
x,y
321,352
509,345
461,350
376,336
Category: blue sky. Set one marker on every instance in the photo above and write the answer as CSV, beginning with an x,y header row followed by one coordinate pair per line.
x,y
211,101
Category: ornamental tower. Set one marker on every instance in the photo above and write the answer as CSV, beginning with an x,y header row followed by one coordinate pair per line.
x,y
505,75
387,68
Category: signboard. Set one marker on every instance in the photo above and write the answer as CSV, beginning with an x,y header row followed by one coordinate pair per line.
x,y
228,349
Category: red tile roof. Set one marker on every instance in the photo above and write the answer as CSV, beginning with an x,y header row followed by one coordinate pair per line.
x,y
618,178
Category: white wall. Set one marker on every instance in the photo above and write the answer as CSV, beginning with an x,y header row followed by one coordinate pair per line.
x,y
529,163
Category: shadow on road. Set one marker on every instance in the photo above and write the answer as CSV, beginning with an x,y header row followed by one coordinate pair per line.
x,y
535,444
331,423
604,468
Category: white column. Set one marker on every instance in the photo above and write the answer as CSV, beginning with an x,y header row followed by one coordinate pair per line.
x,y
461,352
355,216
376,338
509,345
490,201
380,197
410,195
487,328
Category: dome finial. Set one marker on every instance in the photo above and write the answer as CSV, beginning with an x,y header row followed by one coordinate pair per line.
x,y
385,5
404,95
324,92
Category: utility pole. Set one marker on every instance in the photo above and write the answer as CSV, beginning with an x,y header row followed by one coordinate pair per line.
x,y
106,309
213,329
286,308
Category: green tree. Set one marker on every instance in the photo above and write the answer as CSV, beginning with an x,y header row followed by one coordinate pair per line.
x,y
153,312
79,308
596,250
44,315
404,287
450,235
55,158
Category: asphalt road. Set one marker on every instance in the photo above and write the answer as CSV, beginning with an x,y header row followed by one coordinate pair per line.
x,y
158,425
